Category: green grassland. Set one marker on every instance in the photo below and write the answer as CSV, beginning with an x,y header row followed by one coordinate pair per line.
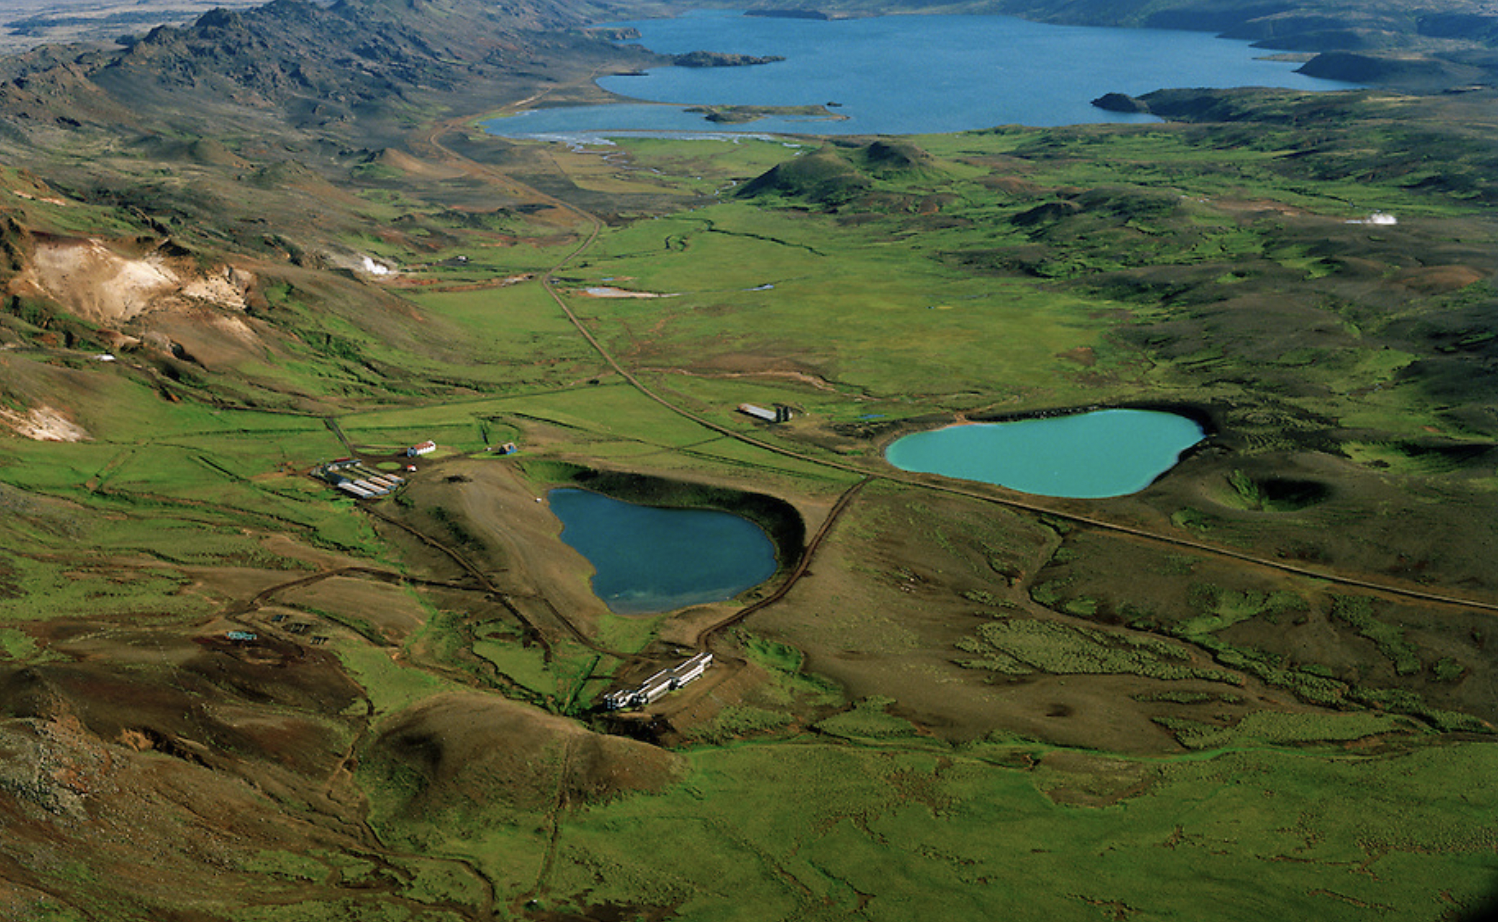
x,y
903,300
896,739
865,317
813,830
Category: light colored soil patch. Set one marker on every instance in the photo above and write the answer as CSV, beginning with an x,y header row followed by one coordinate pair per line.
x,y
97,283
214,339
237,583
50,200
44,424
815,381
285,546
415,166
605,291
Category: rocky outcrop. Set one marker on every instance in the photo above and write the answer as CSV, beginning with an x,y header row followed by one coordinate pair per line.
x,y
1121,102
321,64
1405,71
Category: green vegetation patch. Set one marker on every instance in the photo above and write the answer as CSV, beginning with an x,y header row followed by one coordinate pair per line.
x,y
1357,612
391,686
1223,607
347,909
48,589
819,832
791,688
868,719
1019,646
739,722
1281,728
286,865
865,308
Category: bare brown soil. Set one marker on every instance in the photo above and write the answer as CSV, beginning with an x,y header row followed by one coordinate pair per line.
x,y
468,748
192,765
516,539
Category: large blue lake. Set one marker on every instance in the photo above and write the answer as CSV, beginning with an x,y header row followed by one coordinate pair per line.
x,y
1087,455
649,559
907,74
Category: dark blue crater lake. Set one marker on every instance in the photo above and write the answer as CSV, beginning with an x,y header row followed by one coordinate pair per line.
x,y
909,74
649,559
1086,455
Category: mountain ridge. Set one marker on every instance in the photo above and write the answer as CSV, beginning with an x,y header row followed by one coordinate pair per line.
x,y
319,63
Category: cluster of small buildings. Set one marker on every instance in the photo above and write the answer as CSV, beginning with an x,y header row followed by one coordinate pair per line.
x,y
780,414
240,637
350,476
299,627
657,685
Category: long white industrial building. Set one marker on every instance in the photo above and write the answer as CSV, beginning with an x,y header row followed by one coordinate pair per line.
x,y
658,684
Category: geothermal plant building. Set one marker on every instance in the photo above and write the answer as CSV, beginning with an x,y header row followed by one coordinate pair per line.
x,y
658,684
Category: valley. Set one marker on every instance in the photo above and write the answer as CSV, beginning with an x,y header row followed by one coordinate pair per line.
x,y
1262,685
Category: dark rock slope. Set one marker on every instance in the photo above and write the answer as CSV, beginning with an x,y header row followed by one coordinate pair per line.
x,y
317,63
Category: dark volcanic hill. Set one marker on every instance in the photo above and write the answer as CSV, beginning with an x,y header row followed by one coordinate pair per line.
x,y
317,64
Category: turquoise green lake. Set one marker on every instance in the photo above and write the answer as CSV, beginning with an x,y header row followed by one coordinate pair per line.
x,y
1085,455
649,559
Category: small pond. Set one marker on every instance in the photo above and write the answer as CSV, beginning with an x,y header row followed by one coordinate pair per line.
x,y
651,559
1085,455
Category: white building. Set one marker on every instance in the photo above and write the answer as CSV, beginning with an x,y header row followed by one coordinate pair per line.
x,y
657,685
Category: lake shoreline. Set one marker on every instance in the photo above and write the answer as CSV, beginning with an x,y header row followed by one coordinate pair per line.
x,y
1100,453
999,70
781,521
654,560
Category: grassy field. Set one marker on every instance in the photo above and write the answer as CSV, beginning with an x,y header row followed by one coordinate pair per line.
x,y
1253,687
810,830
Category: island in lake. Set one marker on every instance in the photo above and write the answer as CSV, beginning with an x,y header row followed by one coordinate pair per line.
x,y
719,59
736,115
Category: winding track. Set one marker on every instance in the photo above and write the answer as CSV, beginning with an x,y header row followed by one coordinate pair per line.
x,y
705,635
433,139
